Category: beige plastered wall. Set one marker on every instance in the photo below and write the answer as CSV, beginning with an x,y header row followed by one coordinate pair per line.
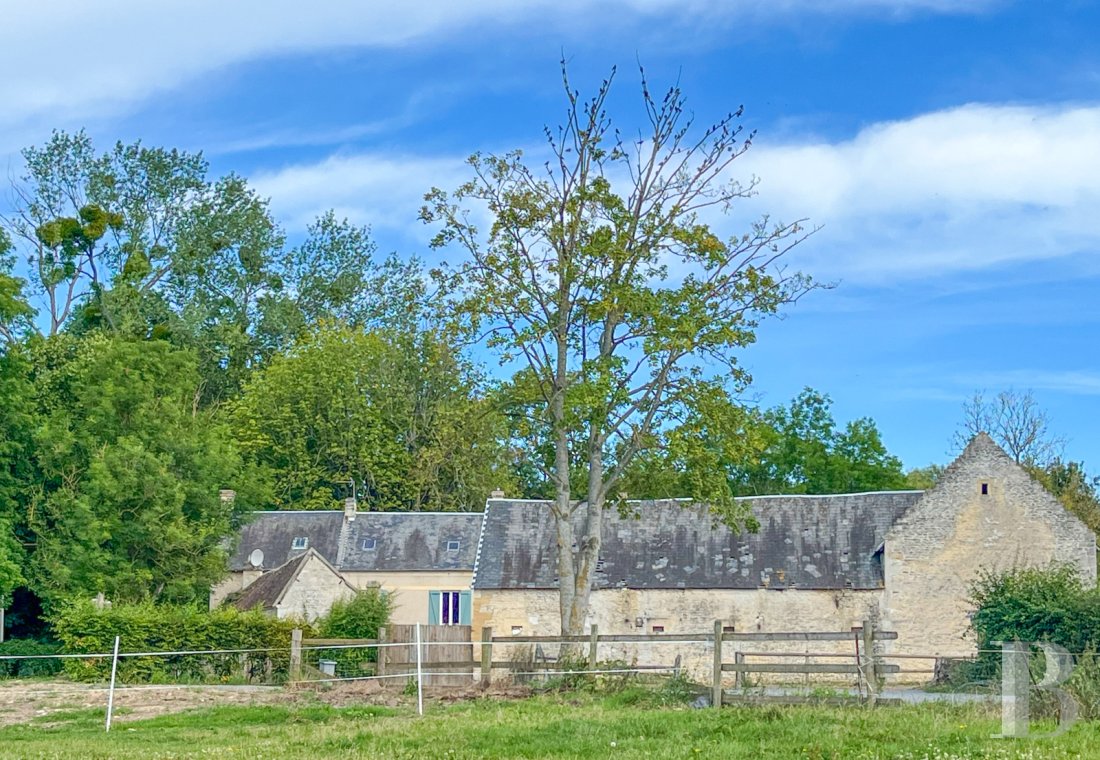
x,y
410,590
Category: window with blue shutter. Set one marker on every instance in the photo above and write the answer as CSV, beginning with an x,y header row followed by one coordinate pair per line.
x,y
434,607
464,608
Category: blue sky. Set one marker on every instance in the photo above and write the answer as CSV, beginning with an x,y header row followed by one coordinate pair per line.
x,y
949,149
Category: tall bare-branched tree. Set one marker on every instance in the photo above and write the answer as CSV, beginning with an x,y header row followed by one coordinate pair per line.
x,y
624,310
1015,421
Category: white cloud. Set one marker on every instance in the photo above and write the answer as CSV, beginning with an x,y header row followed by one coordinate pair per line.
x,y
74,59
384,191
955,190
940,194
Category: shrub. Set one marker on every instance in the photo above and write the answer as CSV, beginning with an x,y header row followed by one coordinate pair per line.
x,y
1050,605
84,628
28,668
358,617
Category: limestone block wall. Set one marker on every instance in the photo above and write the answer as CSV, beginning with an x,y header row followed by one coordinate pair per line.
x,y
312,593
673,611
231,584
985,513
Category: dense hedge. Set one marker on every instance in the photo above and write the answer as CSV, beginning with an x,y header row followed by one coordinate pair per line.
x,y
83,628
1050,605
1036,605
359,617
28,668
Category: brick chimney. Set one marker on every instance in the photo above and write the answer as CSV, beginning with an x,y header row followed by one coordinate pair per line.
x,y
351,508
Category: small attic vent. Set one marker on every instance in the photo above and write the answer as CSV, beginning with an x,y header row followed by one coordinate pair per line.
x,y
985,489
368,544
299,542
453,546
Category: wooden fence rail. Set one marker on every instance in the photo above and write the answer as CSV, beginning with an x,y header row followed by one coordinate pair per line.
x,y
450,650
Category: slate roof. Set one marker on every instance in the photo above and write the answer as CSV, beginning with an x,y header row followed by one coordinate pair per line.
x,y
409,541
265,591
402,541
812,542
273,533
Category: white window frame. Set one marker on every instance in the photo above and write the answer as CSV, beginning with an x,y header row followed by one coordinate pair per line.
x,y
299,542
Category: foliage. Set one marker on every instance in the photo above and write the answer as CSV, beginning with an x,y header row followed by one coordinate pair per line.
x,y
1050,605
359,617
403,422
923,478
786,449
141,241
82,627
1078,491
17,422
130,471
619,305
31,668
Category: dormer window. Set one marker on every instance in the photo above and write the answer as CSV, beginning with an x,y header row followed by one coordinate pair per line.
x,y
368,544
452,546
299,542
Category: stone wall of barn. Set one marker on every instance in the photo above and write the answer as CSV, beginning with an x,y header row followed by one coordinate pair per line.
x,y
985,513
312,593
672,611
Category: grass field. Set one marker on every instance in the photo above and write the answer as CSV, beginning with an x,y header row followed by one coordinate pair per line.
x,y
626,725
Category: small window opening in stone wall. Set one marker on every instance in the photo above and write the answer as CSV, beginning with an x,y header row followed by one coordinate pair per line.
x,y
985,489
658,629
727,629
517,630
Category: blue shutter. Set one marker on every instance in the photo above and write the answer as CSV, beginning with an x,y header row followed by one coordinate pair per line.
x,y
464,608
434,607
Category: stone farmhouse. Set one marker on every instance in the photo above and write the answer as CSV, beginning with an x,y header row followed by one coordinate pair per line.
x,y
904,559
309,559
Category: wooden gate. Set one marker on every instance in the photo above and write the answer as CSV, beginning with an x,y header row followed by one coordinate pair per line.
x,y
454,657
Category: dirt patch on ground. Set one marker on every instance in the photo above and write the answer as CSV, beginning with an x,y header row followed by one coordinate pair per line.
x,y
37,701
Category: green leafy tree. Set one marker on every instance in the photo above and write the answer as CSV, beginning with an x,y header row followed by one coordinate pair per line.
x,y
130,469
796,448
621,307
401,421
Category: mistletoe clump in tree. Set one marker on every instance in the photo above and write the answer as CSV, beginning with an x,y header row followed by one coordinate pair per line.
x,y
623,308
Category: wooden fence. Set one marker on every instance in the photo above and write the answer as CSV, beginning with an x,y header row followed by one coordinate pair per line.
x,y
443,648
447,655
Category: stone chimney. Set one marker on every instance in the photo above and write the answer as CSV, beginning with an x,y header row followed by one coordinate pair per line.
x,y
497,494
227,495
351,508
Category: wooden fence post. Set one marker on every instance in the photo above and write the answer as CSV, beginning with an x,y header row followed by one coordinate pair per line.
x,y
296,655
380,664
738,676
592,643
716,696
486,656
868,664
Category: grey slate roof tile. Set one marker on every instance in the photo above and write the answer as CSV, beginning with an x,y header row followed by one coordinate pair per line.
x,y
823,542
403,541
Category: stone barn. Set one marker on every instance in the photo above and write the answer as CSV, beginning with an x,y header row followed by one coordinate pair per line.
x,y
818,563
425,559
